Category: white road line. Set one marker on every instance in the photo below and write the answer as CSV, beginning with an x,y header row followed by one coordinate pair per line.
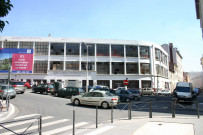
x,y
10,113
26,116
100,130
24,122
66,128
36,126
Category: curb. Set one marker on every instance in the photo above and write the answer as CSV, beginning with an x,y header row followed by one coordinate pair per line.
x,y
5,115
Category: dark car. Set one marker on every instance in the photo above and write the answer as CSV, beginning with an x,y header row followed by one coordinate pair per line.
x,y
89,88
125,95
43,88
137,93
69,92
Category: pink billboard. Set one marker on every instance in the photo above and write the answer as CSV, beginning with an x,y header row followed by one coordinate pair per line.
x,y
22,62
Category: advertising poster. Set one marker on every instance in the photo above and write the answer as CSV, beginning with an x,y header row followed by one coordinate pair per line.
x,y
20,60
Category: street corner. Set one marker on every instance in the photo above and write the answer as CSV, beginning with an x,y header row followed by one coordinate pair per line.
x,y
5,113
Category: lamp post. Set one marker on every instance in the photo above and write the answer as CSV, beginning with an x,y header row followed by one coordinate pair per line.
x,y
87,82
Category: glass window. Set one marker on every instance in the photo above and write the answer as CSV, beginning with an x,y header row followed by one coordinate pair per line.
x,y
91,65
41,48
56,65
158,69
102,50
26,45
131,51
117,50
104,83
57,49
1,44
145,68
146,84
40,66
72,65
144,52
97,94
103,68
72,48
117,68
91,48
132,68
157,54
10,44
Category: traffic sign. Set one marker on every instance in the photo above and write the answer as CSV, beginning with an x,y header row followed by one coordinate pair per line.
x,y
125,82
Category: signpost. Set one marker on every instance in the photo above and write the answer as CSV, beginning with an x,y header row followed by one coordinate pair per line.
x,y
125,82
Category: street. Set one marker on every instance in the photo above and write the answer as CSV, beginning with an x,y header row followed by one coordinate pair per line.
x,y
57,113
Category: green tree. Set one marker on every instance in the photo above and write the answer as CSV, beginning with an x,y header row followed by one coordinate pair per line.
x,y
5,7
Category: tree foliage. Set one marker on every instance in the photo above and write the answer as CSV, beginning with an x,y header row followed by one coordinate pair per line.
x,y
5,7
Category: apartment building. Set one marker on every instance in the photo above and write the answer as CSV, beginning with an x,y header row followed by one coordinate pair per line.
x,y
144,64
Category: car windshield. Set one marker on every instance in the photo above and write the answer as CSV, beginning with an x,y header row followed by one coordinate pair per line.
x,y
109,94
81,90
183,89
18,83
6,87
51,86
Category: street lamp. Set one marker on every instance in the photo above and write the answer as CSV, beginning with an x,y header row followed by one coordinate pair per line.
x,y
87,82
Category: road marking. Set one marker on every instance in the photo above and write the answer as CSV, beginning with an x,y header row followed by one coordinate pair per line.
x,y
24,122
10,113
36,126
100,130
26,116
58,130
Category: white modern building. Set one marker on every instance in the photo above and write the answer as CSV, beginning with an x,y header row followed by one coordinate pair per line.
x,y
144,64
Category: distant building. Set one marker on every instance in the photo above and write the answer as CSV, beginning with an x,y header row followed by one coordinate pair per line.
x,y
186,77
175,65
196,79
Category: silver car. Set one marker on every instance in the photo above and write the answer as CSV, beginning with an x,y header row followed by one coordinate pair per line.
x,y
19,86
6,90
96,98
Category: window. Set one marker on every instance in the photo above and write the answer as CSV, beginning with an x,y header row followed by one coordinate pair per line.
x,y
117,68
72,65
102,50
40,66
10,44
26,45
145,68
1,44
56,65
103,68
72,48
97,94
91,48
157,54
131,51
117,50
132,68
90,65
41,48
144,52
158,70
146,84
103,82
57,49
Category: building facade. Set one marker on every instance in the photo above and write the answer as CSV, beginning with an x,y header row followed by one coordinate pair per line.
x,y
144,64
199,12
175,65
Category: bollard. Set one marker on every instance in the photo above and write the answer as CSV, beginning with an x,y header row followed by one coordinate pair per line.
x,y
129,111
96,116
112,113
150,109
197,107
73,122
40,125
173,109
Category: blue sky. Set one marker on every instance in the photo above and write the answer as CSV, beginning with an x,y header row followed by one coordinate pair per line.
x,y
158,21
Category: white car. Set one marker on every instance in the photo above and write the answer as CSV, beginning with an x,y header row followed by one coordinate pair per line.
x,y
96,98
164,92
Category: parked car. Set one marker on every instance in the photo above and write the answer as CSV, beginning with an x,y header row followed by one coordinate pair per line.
x,y
164,92
99,87
89,88
125,95
27,84
120,88
137,93
69,92
147,91
7,90
43,88
18,86
96,98
107,90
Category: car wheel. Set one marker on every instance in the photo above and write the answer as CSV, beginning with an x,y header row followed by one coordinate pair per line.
x,y
137,98
76,102
127,100
105,105
33,91
56,94
22,92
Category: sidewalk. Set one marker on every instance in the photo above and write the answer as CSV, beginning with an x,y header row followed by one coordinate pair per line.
x,y
4,114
